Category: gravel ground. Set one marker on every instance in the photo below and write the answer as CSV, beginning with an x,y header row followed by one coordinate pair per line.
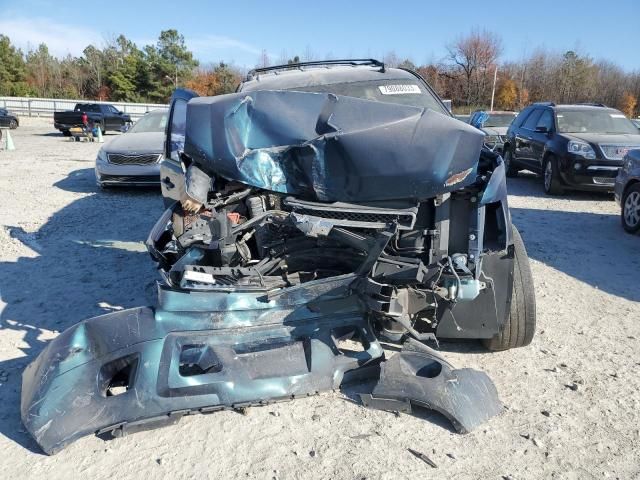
x,y
68,252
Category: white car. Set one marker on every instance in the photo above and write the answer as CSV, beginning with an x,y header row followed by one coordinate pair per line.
x,y
133,158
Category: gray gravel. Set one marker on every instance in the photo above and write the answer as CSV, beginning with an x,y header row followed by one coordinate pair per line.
x,y
68,252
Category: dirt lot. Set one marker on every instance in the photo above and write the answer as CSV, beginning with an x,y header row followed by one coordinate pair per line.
x,y
68,252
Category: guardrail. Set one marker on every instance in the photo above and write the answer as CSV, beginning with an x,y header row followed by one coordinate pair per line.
x,y
44,107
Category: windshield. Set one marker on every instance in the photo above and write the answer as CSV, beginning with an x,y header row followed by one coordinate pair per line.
x,y
151,122
404,92
594,121
499,120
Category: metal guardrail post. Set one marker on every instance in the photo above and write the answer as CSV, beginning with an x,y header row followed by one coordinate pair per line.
x,y
29,106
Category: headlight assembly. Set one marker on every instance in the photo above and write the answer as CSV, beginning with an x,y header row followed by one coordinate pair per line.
x,y
581,148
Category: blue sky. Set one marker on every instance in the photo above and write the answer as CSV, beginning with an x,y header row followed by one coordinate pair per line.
x,y
237,31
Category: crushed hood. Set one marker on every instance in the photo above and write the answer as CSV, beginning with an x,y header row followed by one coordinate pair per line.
x,y
331,148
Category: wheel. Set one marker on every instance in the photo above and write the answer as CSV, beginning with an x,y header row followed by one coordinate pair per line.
x,y
630,214
519,328
551,177
66,133
508,164
13,124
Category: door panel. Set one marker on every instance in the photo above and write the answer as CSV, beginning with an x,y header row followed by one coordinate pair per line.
x,y
539,139
524,140
172,168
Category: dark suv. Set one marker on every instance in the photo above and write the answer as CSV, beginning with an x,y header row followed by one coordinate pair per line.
x,y
576,147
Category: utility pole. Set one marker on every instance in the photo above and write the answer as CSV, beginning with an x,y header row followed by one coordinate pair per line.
x,y
493,90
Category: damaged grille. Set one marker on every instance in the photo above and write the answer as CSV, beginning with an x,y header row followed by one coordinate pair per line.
x,y
355,215
146,159
616,152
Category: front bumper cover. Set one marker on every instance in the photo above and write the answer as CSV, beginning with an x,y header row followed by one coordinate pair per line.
x,y
204,351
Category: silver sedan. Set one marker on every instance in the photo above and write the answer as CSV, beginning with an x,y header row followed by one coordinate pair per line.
x,y
133,158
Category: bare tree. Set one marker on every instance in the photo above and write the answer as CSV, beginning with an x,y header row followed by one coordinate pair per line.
x,y
264,60
474,55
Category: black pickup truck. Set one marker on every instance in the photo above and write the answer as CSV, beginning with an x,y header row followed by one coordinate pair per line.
x,y
107,117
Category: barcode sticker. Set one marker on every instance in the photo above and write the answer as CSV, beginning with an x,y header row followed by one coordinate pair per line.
x,y
399,89
199,277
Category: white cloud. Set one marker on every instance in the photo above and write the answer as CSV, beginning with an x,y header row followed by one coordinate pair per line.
x,y
67,38
61,38
207,43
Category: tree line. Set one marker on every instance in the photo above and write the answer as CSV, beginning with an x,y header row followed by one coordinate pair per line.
x,y
121,71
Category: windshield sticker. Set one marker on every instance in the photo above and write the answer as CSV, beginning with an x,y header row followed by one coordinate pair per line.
x,y
616,115
399,89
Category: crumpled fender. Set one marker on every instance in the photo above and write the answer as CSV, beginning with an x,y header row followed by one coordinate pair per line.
x,y
198,352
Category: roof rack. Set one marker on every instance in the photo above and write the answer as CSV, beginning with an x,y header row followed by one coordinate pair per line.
x,y
546,104
352,61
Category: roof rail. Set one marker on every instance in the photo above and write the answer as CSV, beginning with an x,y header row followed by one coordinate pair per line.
x,y
591,104
353,61
546,104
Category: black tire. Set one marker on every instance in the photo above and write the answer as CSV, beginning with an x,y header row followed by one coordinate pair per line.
x,y
508,164
630,211
66,133
551,176
520,327
13,124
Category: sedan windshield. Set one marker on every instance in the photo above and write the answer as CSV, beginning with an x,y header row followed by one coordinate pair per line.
x,y
499,120
405,92
151,122
594,121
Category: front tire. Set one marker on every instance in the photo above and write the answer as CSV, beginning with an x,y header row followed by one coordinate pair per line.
x,y
511,171
13,125
551,177
630,214
519,328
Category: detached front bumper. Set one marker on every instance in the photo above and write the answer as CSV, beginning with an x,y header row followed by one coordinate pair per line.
x,y
205,351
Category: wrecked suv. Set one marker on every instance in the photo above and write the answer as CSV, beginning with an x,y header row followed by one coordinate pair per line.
x,y
324,208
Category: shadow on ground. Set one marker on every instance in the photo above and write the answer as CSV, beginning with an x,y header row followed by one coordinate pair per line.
x,y
528,184
89,259
590,246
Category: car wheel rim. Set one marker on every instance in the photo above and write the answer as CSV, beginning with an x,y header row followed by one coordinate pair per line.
x,y
548,173
631,211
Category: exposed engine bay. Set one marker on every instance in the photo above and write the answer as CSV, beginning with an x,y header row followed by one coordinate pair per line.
x,y
411,264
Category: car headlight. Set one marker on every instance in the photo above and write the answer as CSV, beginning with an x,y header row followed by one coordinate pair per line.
x,y
102,156
581,148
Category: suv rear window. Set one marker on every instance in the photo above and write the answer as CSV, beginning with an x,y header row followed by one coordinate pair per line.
x,y
403,92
